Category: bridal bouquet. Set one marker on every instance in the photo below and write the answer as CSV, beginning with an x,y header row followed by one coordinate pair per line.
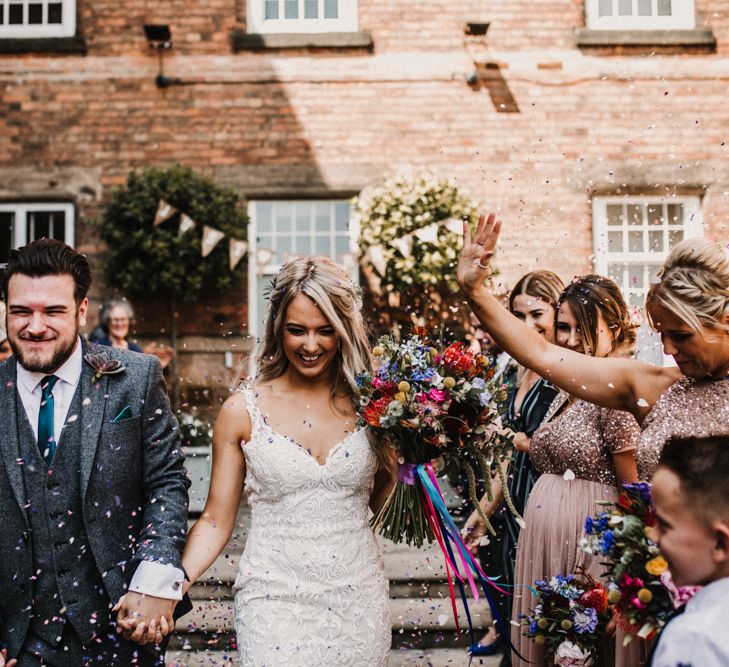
x,y
429,400
569,618
636,571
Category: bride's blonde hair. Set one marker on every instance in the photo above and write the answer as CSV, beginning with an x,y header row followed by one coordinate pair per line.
x,y
331,289
694,284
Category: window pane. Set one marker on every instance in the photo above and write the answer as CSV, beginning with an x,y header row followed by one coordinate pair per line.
x,y
284,247
271,11
341,245
2,13
655,214
615,241
321,247
635,214
263,217
58,225
675,236
653,273
283,217
55,12
605,7
341,215
637,299
635,241
664,8
655,241
35,13
644,7
291,9
617,273
615,214
331,9
303,218
675,214
15,14
625,7
38,226
322,221
311,9
7,218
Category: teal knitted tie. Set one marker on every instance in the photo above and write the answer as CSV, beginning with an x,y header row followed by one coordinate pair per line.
x,y
46,438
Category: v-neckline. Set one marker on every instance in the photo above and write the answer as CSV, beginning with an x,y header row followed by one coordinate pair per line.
x,y
297,444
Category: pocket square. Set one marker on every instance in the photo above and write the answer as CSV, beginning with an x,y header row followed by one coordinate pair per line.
x,y
126,413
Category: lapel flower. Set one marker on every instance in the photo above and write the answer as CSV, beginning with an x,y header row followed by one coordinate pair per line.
x,y
103,365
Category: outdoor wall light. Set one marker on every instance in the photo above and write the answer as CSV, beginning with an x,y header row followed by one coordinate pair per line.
x,y
159,38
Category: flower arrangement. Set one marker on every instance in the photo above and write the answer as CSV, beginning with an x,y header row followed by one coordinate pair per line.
x,y
641,603
569,618
429,400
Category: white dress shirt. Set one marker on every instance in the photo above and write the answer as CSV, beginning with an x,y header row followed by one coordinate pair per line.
x,y
698,637
157,579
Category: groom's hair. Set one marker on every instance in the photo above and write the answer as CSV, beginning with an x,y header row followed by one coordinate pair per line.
x,y
49,257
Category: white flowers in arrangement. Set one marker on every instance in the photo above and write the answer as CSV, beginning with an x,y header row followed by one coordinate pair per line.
x,y
410,231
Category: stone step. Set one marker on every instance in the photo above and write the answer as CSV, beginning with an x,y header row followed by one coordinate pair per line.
x,y
438,657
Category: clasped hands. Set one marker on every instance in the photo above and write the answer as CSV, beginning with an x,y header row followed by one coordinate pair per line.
x,y
144,618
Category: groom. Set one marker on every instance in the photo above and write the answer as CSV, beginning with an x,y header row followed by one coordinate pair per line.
x,y
93,493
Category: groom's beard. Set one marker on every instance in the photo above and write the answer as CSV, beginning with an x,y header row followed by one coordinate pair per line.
x,y
44,362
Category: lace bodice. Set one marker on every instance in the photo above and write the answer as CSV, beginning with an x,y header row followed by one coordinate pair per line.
x,y
310,555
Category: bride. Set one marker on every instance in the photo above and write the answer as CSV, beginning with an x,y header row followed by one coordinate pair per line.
x,y
311,588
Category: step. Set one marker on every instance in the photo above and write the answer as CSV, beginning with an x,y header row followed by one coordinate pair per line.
x,y
439,657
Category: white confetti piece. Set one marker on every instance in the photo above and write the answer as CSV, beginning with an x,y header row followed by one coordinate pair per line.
x,y
442,619
642,403
569,475
86,401
484,541
72,419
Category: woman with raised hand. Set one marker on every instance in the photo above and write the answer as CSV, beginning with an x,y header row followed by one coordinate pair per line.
x,y
689,308
311,587
534,301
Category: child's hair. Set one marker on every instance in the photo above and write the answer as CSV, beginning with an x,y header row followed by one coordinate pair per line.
x,y
332,290
544,285
694,284
591,295
702,465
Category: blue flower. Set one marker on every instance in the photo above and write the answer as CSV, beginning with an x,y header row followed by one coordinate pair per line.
x,y
533,628
424,375
588,525
607,540
603,522
584,620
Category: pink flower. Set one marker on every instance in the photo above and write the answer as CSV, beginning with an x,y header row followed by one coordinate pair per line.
x,y
437,395
680,595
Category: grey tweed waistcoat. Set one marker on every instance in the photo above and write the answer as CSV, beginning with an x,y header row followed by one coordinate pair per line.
x,y
67,585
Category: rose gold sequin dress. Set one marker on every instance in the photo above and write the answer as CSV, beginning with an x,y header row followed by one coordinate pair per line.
x,y
573,452
688,407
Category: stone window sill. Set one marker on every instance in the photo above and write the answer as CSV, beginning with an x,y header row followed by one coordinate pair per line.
x,y
243,41
57,45
664,38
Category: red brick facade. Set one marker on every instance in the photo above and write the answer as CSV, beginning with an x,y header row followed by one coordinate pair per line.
x,y
291,123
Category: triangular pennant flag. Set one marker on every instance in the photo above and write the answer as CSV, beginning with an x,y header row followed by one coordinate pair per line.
x,y
210,238
404,245
376,256
454,225
186,224
263,256
164,212
236,250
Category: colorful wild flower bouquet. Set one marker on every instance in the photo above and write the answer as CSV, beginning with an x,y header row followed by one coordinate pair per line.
x,y
636,571
569,618
427,401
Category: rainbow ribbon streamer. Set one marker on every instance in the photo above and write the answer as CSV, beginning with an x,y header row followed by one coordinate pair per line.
x,y
449,539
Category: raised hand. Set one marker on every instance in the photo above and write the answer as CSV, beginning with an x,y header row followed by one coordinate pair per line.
x,y
4,657
473,262
144,618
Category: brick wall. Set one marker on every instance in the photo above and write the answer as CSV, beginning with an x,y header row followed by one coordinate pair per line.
x,y
307,123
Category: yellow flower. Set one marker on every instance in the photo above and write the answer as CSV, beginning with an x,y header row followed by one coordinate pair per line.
x,y
449,382
566,624
539,640
645,596
542,623
401,396
614,596
656,566
378,351
403,387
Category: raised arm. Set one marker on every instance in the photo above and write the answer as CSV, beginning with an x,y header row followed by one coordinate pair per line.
x,y
212,531
623,384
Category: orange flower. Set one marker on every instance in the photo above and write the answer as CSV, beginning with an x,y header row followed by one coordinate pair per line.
x,y
376,409
458,359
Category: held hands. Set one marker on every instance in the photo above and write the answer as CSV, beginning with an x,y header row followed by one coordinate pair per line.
x,y
144,618
473,263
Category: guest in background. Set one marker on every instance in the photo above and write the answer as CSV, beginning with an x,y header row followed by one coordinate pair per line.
x,y
116,316
5,350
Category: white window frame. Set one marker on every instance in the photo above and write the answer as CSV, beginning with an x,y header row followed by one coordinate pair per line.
x,y
20,225
258,24
692,227
682,17
67,27
257,271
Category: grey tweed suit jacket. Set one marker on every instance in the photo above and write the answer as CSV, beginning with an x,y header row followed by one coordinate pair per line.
x,y
133,483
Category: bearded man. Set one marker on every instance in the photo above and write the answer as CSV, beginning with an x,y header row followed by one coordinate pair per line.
x,y
93,492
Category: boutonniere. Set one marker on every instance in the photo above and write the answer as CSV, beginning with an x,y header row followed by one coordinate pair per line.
x,y
103,365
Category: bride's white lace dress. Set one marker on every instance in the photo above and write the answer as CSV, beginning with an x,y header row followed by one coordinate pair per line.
x,y
311,588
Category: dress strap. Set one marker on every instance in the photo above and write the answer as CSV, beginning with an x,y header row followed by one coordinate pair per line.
x,y
248,392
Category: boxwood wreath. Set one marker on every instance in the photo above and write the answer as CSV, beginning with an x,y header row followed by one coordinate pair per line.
x,y
410,236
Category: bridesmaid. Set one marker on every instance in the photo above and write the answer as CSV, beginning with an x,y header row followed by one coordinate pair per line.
x,y
534,301
689,308
582,453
